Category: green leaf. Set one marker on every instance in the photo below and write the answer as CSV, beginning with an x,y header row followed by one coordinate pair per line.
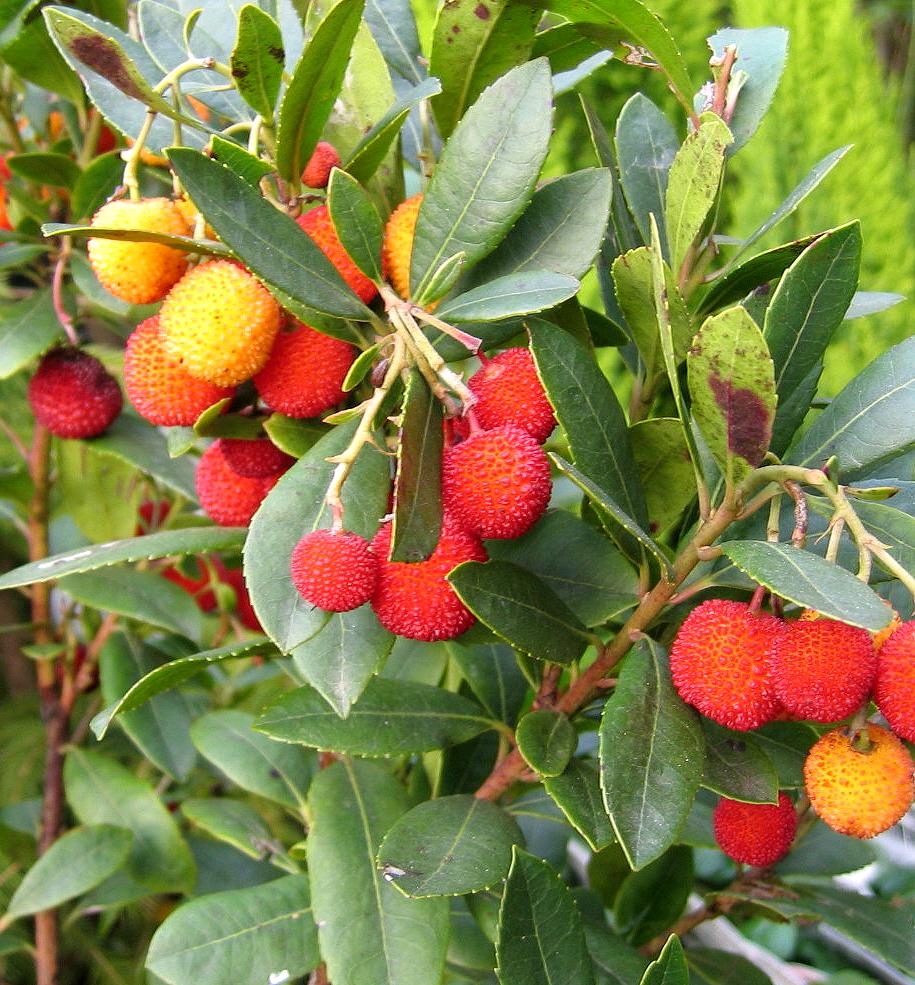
x,y
232,821
448,847
561,230
492,672
43,168
737,767
865,303
74,864
369,932
810,581
893,528
870,422
708,967
664,469
293,436
670,968
541,941
391,718
13,255
140,595
577,562
101,791
613,957
650,900
394,28
418,487
486,173
510,296
520,609
646,145
257,60
245,165
28,328
357,222
242,935
823,852
314,86
252,761
28,49
577,794
160,728
269,243
547,741
733,391
692,186
96,184
651,756
786,744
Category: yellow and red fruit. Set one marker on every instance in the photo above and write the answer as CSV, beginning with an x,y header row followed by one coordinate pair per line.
x,y
755,834
719,666
497,483
323,160
158,386
220,323
139,273
305,372
255,457
895,688
319,226
859,793
822,669
398,244
508,391
228,498
415,600
336,571
73,395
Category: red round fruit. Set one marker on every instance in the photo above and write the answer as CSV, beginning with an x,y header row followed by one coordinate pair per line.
x,y
895,687
755,834
73,395
256,458
228,498
323,160
508,391
497,483
334,571
719,666
414,599
319,226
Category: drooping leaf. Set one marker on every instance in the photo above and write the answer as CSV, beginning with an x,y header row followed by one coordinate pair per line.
x,y
824,852
650,900
664,468
233,821
28,328
737,767
257,60
510,296
449,847
577,793
357,222
56,170
394,28
547,741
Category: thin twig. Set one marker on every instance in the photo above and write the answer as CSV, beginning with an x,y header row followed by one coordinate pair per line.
x,y
63,258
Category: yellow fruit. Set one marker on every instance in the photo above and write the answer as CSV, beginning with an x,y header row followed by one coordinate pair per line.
x,y
398,244
187,208
859,793
139,273
220,323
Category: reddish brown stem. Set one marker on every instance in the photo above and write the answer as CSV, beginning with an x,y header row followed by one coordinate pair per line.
x,y
57,283
724,77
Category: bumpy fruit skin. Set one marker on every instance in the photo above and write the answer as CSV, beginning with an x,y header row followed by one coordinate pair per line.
x,y
317,223
255,458
415,600
139,273
334,571
859,793
398,244
718,663
508,391
497,483
822,670
73,395
755,834
220,323
305,372
895,688
158,386
228,498
323,160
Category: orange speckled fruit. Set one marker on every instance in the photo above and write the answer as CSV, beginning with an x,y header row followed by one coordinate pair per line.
x,y
895,689
398,244
139,273
859,793
220,323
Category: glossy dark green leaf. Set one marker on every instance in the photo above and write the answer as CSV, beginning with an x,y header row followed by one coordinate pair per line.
x,y
510,296
824,852
314,86
418,487
254,762
492,672
233,821
30,52
390,718
357,222
240,935
646,145
541,941
28,328
737,767
577,793
271,245
102,791
670,967
96,184
651,756
257,60
870,422
520,609
369,932
547,741
245,165
708,967
74,864
394,29
619,963
186,243
786,744
43,168
810,581
486,173
650,900
449,847
604,331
